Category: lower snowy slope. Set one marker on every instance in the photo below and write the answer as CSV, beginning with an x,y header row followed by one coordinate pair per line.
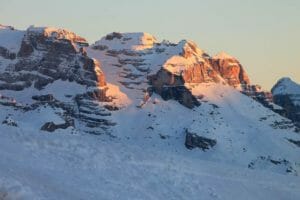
x,y
146,157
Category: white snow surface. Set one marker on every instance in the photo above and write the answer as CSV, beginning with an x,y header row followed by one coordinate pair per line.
x,y
133,41
145,157
138,164
10,38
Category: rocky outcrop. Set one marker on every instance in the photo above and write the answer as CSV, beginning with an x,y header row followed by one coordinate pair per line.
x,y
51,126
256,92
43,98
281,165
47,55
5,53
192,66
9,121
286,94
295,142
171,86
193,140
230,69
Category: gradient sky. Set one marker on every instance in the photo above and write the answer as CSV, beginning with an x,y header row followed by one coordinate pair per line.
x,y
263,34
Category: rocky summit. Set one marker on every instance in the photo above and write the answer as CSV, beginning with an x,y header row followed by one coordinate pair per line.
x,y
286,93
109,115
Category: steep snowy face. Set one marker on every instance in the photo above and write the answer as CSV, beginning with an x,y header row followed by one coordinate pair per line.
x,y
51,68
286,93
10,41
128,41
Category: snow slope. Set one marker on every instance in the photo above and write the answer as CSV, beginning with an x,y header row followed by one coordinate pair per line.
x,y
143,155
139,164
10,38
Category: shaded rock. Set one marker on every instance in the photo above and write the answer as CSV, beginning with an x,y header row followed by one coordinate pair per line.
x,y
280,165
25,50
111,107
296,142
171,86
51,126
192,140
113,36
9,121
6,54
286,93
47,97
230,69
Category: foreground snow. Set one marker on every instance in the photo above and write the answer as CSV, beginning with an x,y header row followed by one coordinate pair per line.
x,y
142,163
64,166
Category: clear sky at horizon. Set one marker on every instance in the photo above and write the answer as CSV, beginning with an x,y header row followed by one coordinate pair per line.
x,y
263,34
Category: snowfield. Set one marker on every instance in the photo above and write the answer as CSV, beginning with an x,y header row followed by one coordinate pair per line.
x,y
140,150
65,166
139,163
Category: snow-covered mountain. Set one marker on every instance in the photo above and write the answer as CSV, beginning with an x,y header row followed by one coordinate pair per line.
x,y
286,93
130,117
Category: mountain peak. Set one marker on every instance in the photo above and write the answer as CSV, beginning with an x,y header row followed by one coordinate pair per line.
x,y
190,48
131,41
223,55
6,27
286,85
56,33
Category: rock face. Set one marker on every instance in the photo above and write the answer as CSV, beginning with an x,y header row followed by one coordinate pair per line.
x,y
192,140
48,54
171,86
230,69
43,56
286,93
193,66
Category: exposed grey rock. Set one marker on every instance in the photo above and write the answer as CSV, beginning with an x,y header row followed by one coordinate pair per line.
x,y
282,165
295,142
5,53
51,126
9,121
193,140
47,97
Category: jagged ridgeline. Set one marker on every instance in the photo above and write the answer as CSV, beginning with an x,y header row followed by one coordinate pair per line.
x,y
132,86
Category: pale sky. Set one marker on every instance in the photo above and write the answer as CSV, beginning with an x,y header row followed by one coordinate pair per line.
x,y
263,34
